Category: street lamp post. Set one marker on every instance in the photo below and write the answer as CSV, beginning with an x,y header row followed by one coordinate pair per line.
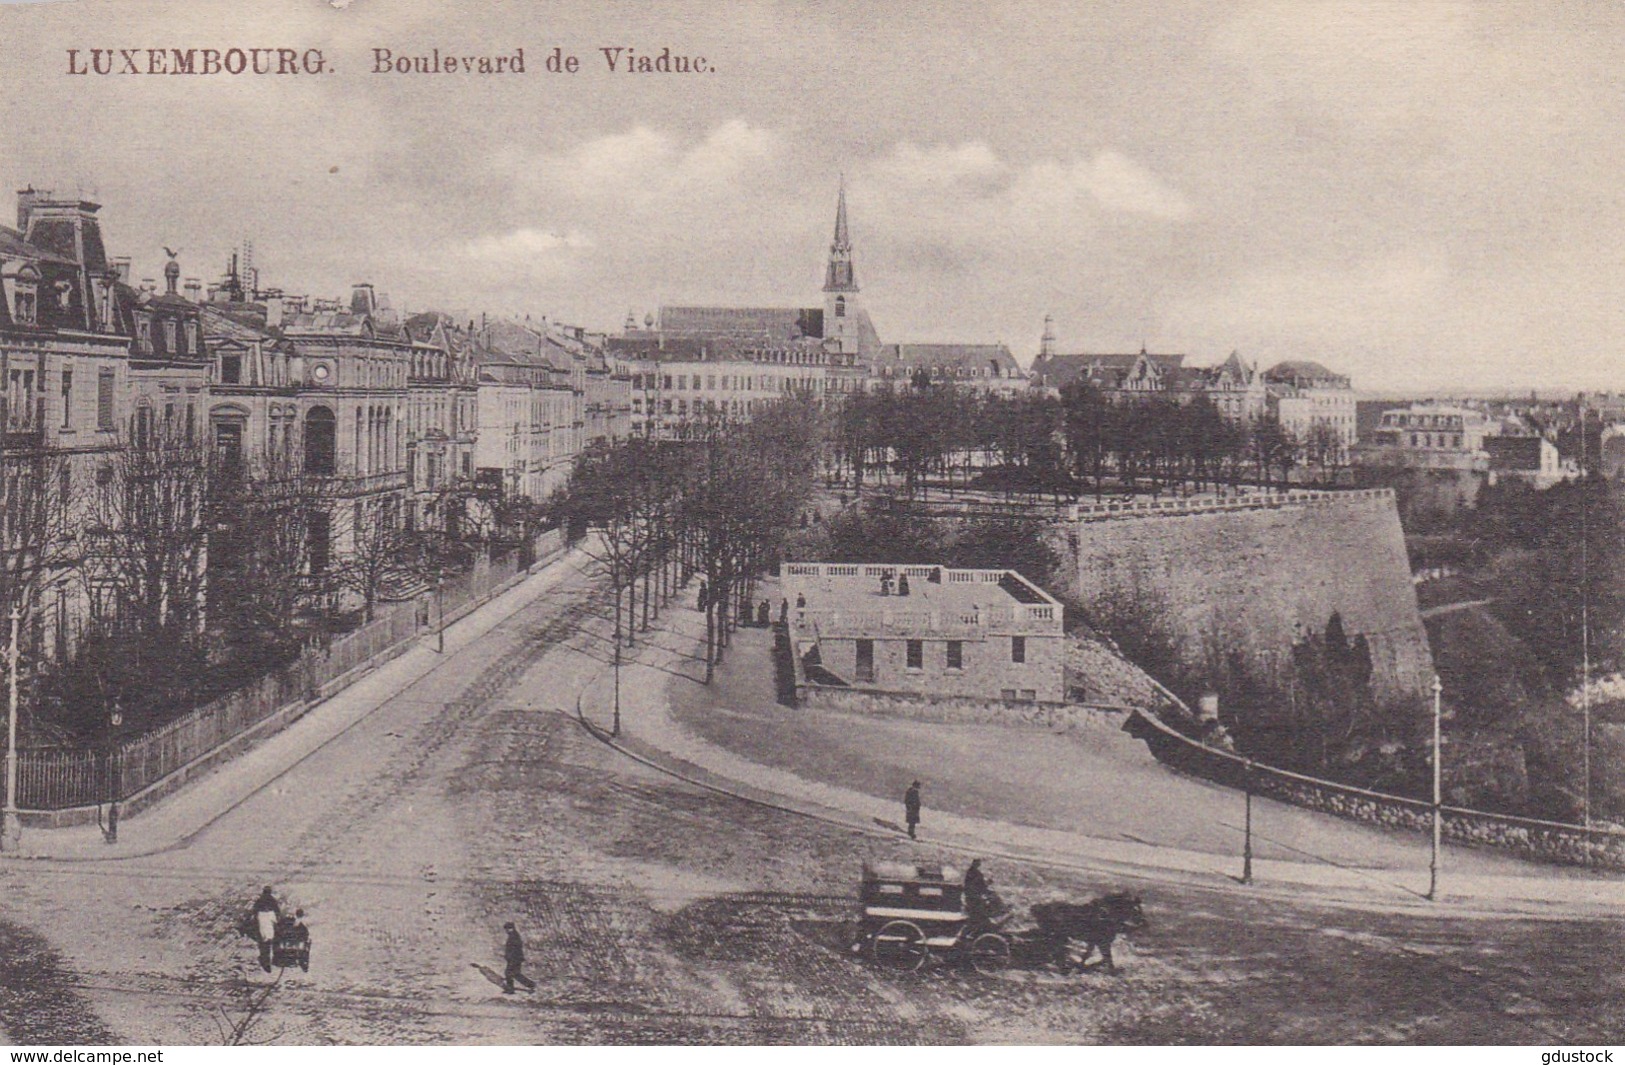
x,y
439,613
114,720
1247,838
11,830
1433,864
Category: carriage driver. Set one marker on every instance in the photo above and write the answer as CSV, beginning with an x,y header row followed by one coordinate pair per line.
x,y
980,902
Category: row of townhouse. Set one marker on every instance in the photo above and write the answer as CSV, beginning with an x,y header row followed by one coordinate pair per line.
x,y
545,393
88,362
398,416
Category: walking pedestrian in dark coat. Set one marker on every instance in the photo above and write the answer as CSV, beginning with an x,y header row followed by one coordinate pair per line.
x,y
267,912
911,807
702,598
513,953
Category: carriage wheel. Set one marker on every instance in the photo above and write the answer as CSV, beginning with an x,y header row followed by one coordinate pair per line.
x,y
899,945
990,953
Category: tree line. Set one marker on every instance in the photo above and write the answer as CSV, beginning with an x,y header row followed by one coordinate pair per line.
x,y
714,503
1065,446
153,578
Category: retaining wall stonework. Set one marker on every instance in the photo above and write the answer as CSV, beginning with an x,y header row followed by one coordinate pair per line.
x,y
941,709
1254,579
1546,841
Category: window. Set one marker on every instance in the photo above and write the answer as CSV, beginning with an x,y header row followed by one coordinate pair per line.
x,y
866,661
169,337
1018,648
916,654
317,530
1007,694
321,439
231,369
840,306
1029,695
67,398
104,401
956,654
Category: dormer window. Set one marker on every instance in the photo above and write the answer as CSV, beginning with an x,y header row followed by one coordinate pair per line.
x,y
143,332
169,337
22,285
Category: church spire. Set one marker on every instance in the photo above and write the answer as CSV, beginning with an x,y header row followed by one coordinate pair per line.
x,y
839,277
841,239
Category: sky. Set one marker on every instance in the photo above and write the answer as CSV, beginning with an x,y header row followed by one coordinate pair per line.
x,y
1424,195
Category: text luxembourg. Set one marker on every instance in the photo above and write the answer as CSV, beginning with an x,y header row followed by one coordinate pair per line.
x,y
196,61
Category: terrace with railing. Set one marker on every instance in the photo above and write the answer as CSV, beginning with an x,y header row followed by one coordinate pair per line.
x,y
840,599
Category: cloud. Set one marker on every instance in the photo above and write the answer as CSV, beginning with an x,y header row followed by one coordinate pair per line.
x,y
644,167
525,243
968,188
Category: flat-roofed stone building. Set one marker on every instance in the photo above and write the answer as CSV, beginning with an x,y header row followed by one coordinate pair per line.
x,y
925,631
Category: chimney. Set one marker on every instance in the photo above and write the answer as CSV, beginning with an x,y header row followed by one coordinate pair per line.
x,y
148,285
121,264
194,289
362,299
26,199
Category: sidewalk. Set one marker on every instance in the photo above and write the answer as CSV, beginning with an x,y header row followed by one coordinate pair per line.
x,y
1471,880
178,818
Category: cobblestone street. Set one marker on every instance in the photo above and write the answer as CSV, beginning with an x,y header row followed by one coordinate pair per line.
x,y
656,911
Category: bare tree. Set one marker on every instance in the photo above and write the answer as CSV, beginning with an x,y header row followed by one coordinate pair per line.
x,y
377,550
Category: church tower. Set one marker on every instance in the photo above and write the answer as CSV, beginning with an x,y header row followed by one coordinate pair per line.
x,y
841,287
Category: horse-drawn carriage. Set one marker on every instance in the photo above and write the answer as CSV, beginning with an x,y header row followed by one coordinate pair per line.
x,y
913,913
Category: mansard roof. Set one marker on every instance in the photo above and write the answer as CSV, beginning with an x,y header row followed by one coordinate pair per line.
x,y
1304,373
773,324
13,246
952,360
1104,369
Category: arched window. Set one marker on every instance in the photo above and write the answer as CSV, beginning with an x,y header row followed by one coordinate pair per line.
x,y
321,435
840,306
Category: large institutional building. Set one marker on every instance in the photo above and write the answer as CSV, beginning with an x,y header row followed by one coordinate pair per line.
x,y
697,361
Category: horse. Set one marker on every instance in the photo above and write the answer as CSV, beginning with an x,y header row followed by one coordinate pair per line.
x,y
1094,924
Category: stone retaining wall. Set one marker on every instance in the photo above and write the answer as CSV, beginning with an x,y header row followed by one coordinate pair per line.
x,y
1546,841
1053,716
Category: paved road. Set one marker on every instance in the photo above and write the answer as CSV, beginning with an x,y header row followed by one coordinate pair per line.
x,y
661,912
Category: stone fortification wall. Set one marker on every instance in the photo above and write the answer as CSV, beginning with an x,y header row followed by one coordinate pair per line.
x,y
1254,577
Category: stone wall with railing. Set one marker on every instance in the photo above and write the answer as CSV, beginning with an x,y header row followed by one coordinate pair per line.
x,y
1547,841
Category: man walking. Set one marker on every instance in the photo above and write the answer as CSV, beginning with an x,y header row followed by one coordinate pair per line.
x,y
513,952
267,912
911,808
